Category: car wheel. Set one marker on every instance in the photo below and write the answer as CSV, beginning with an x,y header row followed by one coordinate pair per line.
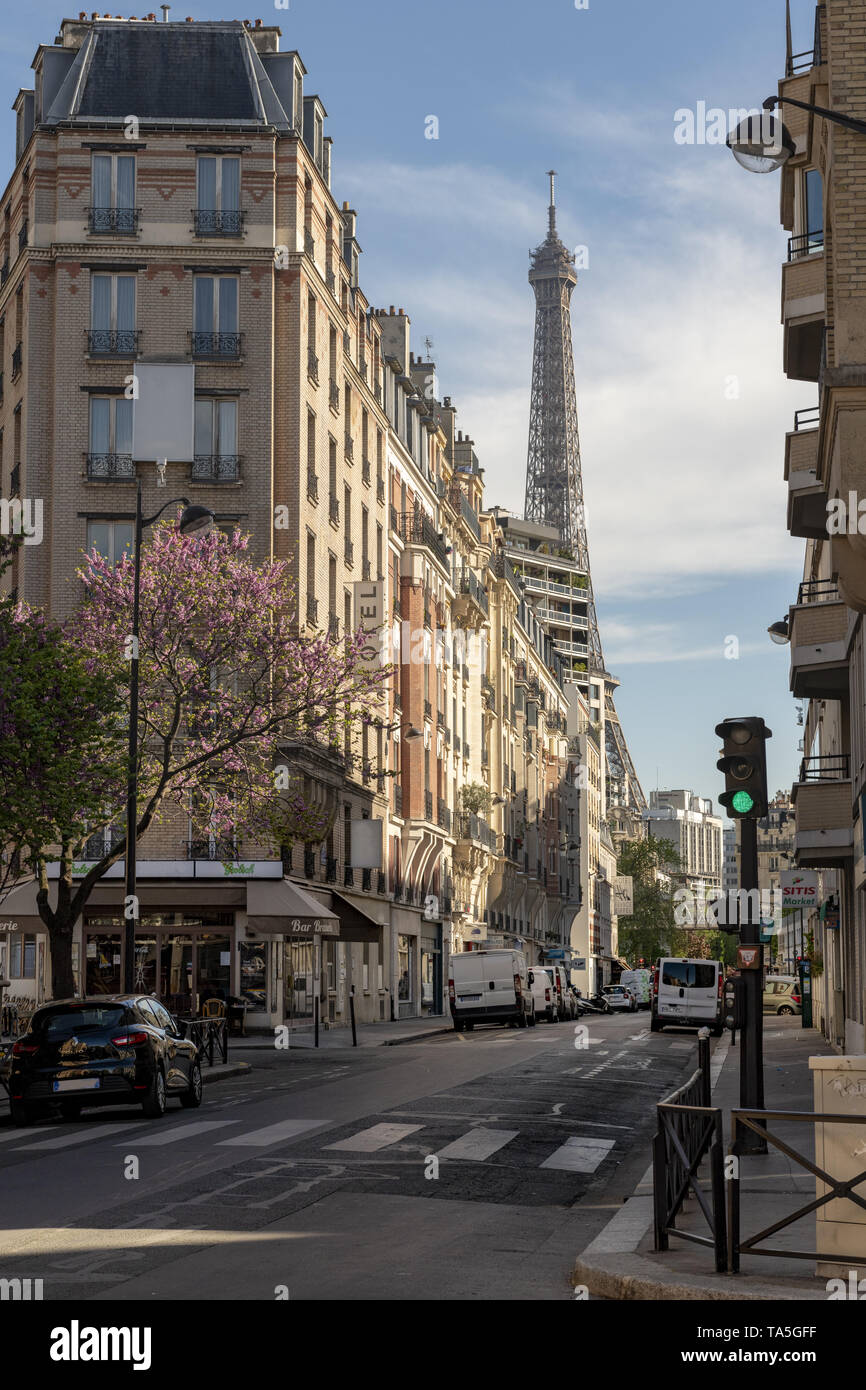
x,y
70,1109
606,1009
786,1009
20,1113
655,1026
532,1019
458,1025
154,1103
191,1099
469,1027
521,1019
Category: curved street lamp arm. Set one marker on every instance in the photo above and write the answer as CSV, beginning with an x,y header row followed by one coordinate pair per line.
x,y
849,122
173,502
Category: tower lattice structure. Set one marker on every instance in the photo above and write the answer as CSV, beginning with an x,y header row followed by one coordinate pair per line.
x,y
554,483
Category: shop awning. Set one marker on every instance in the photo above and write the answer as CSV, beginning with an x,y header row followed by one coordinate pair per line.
x,y
171,896
355,925
280,907
18,910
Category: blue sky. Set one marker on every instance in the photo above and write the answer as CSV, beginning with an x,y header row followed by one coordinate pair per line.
x,y
682,402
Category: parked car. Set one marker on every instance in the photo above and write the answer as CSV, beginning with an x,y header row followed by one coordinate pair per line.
x,y
102,1050
543,993
619,997
689,993
490,987
639,982
564,997
782,995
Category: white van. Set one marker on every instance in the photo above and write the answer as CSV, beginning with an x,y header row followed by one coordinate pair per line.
x,y
543,992
688,992
639,982
490,987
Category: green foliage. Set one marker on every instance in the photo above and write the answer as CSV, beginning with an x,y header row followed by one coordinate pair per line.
x,y
651,931
475,798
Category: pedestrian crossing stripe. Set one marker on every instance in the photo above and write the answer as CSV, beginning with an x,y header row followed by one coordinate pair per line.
x,y
375,1138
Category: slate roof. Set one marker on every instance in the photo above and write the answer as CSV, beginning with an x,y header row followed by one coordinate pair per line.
x,y
204,72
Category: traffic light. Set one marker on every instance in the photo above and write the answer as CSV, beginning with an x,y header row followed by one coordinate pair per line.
x,y
744,763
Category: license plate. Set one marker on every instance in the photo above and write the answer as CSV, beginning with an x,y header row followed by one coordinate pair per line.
x,y
78,1085
468,998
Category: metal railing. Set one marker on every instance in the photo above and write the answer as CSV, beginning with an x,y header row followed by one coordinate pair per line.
x,y
380,490
366,471
807,419
112,342
468,584
17,360
689,1129
312,609
428,806
215,468
460,502
348,552
113,220
312,365
416,528
398,800
444,816
209,1035
349,447
334,508
312,486
333,395
825,767
838,1189
102,466
216,345
806,245
212,849
810,57
309,863
330,870
817,591
218,221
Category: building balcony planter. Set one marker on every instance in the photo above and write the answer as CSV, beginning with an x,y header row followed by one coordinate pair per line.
x,y
818,624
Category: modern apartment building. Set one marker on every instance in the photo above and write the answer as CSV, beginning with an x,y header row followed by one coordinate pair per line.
x,y
171,205
696,835
824,319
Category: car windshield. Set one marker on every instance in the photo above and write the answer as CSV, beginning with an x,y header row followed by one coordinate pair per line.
x,y
68,1022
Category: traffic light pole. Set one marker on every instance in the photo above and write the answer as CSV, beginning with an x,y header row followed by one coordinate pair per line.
x,y
752,1024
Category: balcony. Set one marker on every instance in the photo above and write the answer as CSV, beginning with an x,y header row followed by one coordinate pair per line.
x,y
309,244
473,831
803,307
471,605
215,347
824,837
312,610
112,342
381,881
218,221
348,876
380,490
15,481
102,468
334,509
366,472
333,626
22,236
330,870
416,529
366,570
331,282
812,57
113,221
4,272
444,816
428,710
464,509
212,849
216,468
807,498
17,361
312,366
428,806
333,395
818,625
348,552
312,485
349,448
398,800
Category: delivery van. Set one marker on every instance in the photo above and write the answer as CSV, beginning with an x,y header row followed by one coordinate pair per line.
x,y
543,992
490,987
688,993
639,982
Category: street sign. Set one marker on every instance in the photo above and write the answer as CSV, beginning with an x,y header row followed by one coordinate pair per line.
x,y
799,889
748,957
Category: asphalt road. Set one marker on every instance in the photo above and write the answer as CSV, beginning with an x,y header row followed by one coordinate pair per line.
x,y
471,1166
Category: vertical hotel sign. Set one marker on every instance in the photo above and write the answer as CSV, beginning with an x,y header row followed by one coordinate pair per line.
x,y
370,615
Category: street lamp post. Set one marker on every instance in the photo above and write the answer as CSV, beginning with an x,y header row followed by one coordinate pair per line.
x,y
762,144
193,518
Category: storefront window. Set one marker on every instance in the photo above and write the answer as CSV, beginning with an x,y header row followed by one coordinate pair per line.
x,y
298,980
175,974
254,974
103,965
214,967
145,973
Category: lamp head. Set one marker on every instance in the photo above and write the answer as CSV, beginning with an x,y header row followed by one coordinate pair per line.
x,y
761,143
195,518
779,632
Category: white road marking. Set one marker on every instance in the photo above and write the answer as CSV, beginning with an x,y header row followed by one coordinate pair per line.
x,y
81,1136
478,1144
271,1134
579,1155
557,1109
376,1137
178,1133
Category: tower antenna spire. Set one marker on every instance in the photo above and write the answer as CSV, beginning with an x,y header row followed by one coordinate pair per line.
x,y
551,211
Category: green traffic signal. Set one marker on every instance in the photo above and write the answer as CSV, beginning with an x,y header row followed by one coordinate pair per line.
x,y
742,802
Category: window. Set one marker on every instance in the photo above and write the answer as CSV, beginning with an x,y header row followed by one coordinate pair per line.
x,y
218,193
215,316
112,314
814,210
113,193
110,454
22,957
216,439
110,539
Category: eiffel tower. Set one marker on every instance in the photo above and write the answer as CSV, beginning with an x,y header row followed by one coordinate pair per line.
x,y
554,485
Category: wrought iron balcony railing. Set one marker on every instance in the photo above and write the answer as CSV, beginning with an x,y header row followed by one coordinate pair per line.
x,y
110,466
216,345
312,365
312,609
333,395
215,468
380,490
312,486
212,848
17,360
113,221
218,221
112,342
416,528
806,245
334,508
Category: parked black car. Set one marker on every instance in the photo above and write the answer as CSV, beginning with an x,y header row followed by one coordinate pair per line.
x,y
103,1050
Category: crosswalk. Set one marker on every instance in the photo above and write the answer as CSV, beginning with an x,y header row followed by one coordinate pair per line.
x,y
574,1154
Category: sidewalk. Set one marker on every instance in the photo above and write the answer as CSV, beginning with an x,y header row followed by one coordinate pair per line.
x,y
621,1262
388,1034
